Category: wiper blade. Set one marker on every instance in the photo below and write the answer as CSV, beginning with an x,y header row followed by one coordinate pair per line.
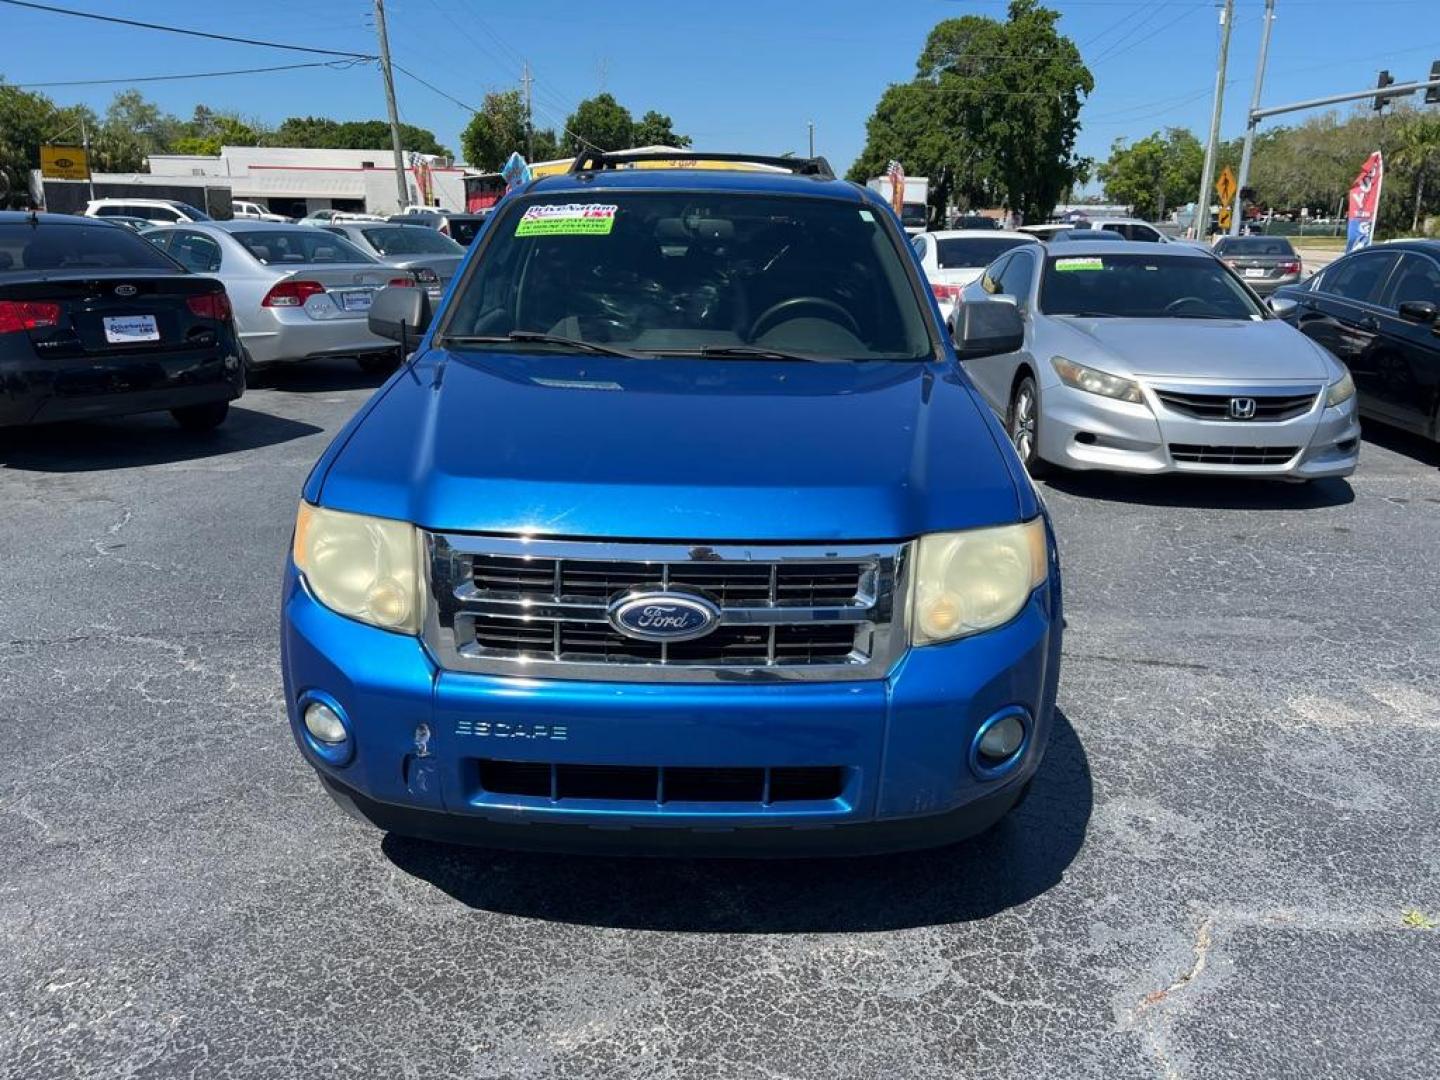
x,y
538,338
754,352
1088,314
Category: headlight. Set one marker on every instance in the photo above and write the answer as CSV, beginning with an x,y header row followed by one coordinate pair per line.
x,y
1096,382
966,582
364,567
1341,391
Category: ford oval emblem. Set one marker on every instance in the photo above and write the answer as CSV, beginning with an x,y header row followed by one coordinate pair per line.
x,y
125,290
663,616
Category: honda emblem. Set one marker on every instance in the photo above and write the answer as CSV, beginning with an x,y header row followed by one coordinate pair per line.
x,y
1242,408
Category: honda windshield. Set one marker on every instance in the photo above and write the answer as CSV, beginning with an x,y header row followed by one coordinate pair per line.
x,y
1144,287
690,274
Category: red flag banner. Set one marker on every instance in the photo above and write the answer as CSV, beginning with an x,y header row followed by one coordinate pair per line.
x,y
1364,203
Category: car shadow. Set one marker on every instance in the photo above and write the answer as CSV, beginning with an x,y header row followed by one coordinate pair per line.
x,y
1204,492
1022,857
1405,443
315,377
129,441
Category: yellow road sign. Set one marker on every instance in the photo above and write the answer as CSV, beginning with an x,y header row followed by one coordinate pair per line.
x,y
1225,187
64,163
1224,219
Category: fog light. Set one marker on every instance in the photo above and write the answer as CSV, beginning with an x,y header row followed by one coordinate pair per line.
x,y
1002,739
999,744
324,724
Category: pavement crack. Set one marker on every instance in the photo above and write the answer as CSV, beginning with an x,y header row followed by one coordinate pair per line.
x,y
1152,1014
1139,661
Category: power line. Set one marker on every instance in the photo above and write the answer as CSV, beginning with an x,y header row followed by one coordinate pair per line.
x,y
431,86
334,65
188,33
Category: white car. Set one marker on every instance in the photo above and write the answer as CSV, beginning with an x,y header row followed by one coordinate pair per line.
x,y
254,212
1125,228
421,208
1149,359
954,258
160,211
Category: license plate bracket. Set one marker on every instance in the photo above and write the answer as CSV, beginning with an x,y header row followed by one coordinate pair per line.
x,y
1254,271
131,329
356,300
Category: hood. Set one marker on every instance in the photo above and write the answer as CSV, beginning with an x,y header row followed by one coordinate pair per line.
x,y
1194,348
682,449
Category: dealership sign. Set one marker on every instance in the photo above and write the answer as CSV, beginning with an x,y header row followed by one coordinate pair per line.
x,y
64,163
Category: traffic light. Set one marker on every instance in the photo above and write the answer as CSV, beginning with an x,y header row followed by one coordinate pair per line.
x,y
1380,84
1432,96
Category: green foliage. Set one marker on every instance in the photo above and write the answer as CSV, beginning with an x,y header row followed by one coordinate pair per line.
x,y
324,133
657,129
992,115
599,123
498,130
1157,173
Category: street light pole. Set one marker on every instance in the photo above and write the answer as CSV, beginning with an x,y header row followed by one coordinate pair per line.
x,y
1252,122
811,125
401,188
1202,206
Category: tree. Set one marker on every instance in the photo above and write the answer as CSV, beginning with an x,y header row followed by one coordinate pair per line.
x,y
1157,173
207,131
323,133
599,123
657,129
498,130
1416,152
991,116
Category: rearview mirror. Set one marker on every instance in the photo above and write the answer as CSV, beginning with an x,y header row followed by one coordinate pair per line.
x,y
400,313
985,328
1418,311
1282,305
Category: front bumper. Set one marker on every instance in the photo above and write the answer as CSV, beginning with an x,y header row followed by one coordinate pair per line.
x,y
902,742
1080,430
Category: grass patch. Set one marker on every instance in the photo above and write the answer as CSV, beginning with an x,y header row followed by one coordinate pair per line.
x,y
1417,920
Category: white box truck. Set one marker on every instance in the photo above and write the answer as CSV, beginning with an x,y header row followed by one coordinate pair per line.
x,y
915,211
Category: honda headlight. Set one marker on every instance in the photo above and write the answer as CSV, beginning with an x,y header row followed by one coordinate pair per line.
x,y
966,582
1341,391
1096,382
365,567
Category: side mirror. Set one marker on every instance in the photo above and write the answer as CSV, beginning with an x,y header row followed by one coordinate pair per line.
x,y
1282,305
985,328
1418,311
400,313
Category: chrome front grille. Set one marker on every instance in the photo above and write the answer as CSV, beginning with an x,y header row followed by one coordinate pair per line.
x,y
1274,405
503,605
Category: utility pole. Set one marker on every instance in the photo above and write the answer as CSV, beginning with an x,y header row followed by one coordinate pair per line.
x,y
401,188
525,81
89,168
811,125
1207,176
1252,122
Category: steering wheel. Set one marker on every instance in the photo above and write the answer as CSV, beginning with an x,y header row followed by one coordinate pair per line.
x,y
784,307
1173,308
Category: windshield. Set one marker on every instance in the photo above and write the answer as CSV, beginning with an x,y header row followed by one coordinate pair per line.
x,y
673,272
192,212
973,253
913,215
1143,287
42,246
287,246
410,240
464,230
1254,245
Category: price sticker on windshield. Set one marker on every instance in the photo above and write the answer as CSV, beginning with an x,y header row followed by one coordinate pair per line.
x,y
568,219
1079,264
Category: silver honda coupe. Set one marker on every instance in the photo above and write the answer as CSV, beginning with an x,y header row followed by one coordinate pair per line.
x,y
1152,359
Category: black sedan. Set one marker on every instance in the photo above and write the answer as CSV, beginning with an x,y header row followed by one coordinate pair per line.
x,y
1376,310
95,321
1266,263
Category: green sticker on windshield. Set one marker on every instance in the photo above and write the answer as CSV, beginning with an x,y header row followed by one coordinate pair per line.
x,y
1079,264
568,219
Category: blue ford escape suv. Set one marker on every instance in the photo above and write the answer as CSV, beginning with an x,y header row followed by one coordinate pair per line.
x,y
682,530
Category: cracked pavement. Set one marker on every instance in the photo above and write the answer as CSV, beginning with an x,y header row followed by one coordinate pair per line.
x,y
1208,881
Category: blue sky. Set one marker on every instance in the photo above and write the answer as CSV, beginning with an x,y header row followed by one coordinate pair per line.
x,y
739,75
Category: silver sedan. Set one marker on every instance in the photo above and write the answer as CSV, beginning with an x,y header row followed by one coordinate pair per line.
x,y
1151,359
422,251
298,293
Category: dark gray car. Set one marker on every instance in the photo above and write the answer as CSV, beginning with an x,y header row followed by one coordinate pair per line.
x,y
431,257
1265,262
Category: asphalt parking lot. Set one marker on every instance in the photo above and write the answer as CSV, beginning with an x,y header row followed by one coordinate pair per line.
x,y
1210,880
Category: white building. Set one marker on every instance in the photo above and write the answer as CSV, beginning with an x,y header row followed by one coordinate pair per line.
x,y
295,181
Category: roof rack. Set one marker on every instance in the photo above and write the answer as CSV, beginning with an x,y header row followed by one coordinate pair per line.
x,y
595,161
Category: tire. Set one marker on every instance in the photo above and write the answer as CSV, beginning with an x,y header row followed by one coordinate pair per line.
x,y
379,363
1022,422
205,417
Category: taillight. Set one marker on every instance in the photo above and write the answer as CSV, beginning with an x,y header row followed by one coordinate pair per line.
x,y
215,305
402,282
946,292
1290,268
291,293
18,315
